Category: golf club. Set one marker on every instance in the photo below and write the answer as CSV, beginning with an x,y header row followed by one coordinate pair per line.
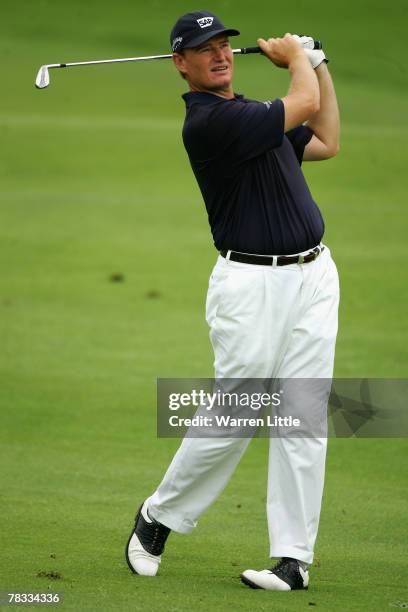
x,y
43,77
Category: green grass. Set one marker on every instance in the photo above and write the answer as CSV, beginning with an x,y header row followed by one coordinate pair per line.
x,y
94,181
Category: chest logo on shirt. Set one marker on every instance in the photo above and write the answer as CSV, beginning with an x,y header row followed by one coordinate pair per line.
x,y
205,22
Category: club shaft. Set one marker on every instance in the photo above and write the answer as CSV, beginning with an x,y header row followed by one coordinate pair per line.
x,y
112,61
132,59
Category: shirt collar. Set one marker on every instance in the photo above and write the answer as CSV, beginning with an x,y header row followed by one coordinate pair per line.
x,y
202,97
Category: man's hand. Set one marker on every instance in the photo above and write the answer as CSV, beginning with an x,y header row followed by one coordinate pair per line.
x,y
316,56
281,51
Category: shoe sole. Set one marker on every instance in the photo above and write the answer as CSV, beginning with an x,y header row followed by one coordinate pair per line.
x,y
252,585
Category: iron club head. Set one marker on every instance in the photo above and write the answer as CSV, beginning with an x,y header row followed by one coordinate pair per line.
x,y
43,78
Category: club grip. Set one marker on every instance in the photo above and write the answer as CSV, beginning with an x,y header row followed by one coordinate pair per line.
x,y
246,50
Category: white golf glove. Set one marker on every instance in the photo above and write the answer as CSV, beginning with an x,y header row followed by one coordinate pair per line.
x,y
316,56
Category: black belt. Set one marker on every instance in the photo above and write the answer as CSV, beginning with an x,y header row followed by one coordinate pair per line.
x,y
269,260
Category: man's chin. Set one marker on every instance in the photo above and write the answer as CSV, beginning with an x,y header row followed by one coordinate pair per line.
x,y
222,85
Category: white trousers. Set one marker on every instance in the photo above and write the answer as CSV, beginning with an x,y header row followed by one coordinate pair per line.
x,y
265,322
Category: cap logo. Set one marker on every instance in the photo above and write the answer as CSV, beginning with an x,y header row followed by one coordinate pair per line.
x,y
176,43
205,22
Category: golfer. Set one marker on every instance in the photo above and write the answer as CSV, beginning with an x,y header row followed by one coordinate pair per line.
x,y
273,295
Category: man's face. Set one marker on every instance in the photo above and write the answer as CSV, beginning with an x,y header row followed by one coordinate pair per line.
x,y
208,67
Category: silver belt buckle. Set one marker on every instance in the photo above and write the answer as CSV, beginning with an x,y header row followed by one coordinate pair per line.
x,y
316,252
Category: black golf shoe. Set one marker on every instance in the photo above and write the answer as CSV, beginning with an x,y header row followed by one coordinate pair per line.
x,y
146,544
286,575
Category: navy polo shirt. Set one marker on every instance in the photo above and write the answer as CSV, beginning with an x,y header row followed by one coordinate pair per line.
x,y
249,174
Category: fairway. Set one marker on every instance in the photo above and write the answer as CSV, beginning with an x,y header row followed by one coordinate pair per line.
x,y
105,258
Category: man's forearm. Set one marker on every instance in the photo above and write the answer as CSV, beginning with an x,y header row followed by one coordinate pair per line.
x,y
302,99
326,122
303,81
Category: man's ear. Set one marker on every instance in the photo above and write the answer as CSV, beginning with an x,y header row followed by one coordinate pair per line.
x,y
179,62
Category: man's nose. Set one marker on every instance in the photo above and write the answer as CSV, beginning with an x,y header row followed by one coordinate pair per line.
x,y
218,54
